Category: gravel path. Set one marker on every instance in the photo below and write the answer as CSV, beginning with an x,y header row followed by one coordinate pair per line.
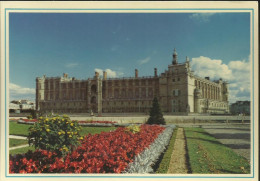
x,y
236,137
16,147
17,137
178,157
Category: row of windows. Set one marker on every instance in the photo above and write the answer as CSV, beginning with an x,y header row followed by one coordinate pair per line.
x,y
213,104
130,82
61,104
57,84
129,103
178,79
201,85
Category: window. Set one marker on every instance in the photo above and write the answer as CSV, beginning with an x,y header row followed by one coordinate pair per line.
x,y
179,79
176,92
173,80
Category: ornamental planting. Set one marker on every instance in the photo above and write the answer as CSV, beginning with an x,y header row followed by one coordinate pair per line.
x,y
108,152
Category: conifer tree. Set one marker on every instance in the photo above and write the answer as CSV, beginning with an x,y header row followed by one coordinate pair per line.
x,y
156,116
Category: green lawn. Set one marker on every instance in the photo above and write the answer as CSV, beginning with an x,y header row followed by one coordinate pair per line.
x,y
96,130
21,150
207,155
18,129
16,142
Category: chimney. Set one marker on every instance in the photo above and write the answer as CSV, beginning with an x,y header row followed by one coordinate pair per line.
x,y
136,73
96,74
65,75
104,75
155,72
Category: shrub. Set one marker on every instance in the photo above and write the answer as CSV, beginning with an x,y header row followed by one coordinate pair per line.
x,y
55,133
156,116
133,128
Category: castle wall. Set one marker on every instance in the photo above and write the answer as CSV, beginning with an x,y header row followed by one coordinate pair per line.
x,y
178,91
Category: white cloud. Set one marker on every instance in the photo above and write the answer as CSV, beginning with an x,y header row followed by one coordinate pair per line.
x,y
18,92
71,65
215,69
201,17
144,61
237,73
110,73
239,65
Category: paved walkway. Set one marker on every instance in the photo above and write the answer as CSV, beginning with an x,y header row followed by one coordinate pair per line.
x,y
17,137
236,137
16,147
178,157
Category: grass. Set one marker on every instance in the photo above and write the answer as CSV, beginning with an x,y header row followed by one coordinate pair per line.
x,y
96,130
18,129
16,142
207,155
164,164
21,150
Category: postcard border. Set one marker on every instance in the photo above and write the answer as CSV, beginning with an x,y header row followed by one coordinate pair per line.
x,y
141,9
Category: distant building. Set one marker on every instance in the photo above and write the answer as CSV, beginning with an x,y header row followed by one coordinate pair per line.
x,y
14,108
178,90
18,106
240,107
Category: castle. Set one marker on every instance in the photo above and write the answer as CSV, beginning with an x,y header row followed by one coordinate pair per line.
x,y
178,90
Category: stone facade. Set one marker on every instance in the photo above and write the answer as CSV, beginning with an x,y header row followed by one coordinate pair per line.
x,y
178,89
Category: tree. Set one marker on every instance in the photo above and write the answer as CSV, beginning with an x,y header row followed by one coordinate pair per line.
x,y
156,116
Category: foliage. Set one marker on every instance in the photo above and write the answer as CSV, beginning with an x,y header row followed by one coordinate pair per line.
x,y
56,133
164,164
33,114
156,116
207,155
108,152
133,128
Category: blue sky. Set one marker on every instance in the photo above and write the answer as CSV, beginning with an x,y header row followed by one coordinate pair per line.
x,y
80,43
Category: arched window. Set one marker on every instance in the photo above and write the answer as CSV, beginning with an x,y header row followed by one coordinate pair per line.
x,y
93,89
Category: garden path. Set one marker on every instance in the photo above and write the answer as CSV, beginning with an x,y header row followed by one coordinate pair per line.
x,y
178,162
17,137
16,147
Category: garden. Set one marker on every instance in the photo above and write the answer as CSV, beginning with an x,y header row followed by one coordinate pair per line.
x,y
57,144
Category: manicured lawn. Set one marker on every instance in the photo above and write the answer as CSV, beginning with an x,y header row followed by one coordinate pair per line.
x,y
207,155
16,142
21,150
96,130
164,164
18,129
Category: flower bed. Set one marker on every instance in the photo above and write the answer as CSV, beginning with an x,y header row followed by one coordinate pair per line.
x,y
108,152
27,121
